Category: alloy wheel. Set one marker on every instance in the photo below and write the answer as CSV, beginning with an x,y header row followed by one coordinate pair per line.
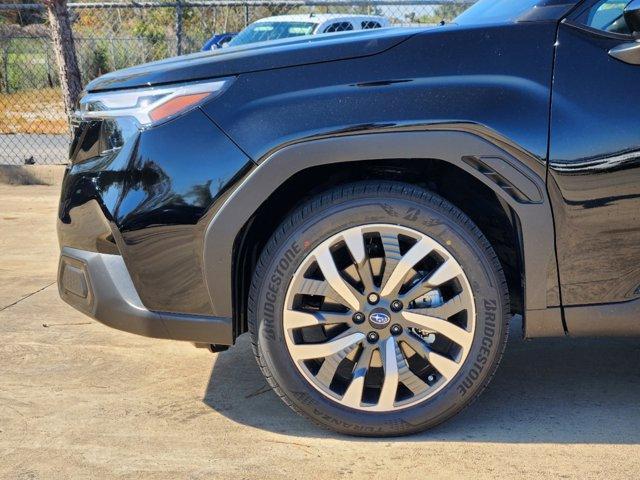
x,y
379,317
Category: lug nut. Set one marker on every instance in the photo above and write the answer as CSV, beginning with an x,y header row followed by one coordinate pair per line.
x,y
358,317
396,305
372,337
373,298
396,329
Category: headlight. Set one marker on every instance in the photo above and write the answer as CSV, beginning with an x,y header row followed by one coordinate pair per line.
x,y
149,105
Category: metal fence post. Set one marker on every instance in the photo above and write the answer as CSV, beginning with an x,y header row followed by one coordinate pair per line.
x,y
179,25
246,14
5,68
48,63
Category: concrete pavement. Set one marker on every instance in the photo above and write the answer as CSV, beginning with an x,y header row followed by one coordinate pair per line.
x,y
79,400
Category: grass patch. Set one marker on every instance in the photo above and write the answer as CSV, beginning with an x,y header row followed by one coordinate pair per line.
x,y
33,111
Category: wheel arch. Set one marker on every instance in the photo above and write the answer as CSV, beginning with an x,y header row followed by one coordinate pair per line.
x,y
234,236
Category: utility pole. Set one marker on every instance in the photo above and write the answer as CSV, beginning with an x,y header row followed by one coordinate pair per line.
x,y
67,60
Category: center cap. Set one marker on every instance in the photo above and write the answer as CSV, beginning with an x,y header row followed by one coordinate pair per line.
x,y
379,318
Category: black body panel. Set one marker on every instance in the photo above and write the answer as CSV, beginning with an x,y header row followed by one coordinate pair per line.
x,y
254,57
595,169
153,195
430,78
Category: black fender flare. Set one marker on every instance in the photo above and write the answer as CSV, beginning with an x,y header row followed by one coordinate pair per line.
x,y
514,175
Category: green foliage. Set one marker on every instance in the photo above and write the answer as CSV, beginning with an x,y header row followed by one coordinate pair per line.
x,y
25,63
440,13
99,63
449,12
155,26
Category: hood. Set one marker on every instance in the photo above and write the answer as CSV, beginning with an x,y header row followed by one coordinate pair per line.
x,y
254,57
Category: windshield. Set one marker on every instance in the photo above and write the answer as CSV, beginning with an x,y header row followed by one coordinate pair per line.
x,y
261,31
495,11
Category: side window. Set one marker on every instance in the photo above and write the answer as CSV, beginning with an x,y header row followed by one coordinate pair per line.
x,y
339,27
607,15
369,24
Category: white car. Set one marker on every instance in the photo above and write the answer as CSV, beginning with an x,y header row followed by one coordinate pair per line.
x,y
285,26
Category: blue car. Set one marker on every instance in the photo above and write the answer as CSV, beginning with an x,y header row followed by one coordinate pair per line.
x,y
217,41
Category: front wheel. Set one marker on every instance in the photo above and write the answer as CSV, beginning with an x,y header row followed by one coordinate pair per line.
x,y
378,309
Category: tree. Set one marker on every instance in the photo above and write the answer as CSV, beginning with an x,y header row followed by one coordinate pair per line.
x,y
444,13
449,11
67,60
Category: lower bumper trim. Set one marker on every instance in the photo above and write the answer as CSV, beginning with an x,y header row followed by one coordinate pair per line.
x,y
99,285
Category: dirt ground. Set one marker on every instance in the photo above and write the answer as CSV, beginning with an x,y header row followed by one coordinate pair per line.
x,y
80,400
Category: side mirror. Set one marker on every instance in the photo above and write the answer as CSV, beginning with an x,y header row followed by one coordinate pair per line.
x,y
632,16
630,52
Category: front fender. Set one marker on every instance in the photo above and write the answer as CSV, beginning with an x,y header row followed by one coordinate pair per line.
x,y
501,167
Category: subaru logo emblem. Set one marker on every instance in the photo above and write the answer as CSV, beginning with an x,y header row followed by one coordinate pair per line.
x,y
379,318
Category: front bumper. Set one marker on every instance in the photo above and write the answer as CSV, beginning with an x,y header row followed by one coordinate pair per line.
x,y
99,285
133,210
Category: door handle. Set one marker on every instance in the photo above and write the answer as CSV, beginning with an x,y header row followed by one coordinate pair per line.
x,y
627,52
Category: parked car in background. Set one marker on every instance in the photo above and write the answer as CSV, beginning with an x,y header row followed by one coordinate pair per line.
x,y
218,41
286,26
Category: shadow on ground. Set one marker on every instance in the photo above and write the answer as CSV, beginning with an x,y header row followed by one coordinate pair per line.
x,y
545,391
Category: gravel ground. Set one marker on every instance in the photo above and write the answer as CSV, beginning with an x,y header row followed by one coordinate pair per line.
x,y
79,400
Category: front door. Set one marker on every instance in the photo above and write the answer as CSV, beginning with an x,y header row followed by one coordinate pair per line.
x,y
594,158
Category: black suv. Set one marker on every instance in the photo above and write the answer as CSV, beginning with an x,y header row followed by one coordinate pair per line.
x,y
371,207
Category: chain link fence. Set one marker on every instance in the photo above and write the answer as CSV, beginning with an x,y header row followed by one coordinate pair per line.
x,y
113,35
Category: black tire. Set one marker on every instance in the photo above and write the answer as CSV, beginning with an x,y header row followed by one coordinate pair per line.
x,y
390,203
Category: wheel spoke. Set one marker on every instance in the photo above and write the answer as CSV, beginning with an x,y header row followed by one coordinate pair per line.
x,y
320,288
326,349
419,289
420,250
391,255
389,356
445,272
355,243
449,270
449,330
449,308
330,365
408,378
337,283
353,396
416,344
447,367
296,319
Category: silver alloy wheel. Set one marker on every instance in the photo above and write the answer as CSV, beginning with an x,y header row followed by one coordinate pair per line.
x,y
379,317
